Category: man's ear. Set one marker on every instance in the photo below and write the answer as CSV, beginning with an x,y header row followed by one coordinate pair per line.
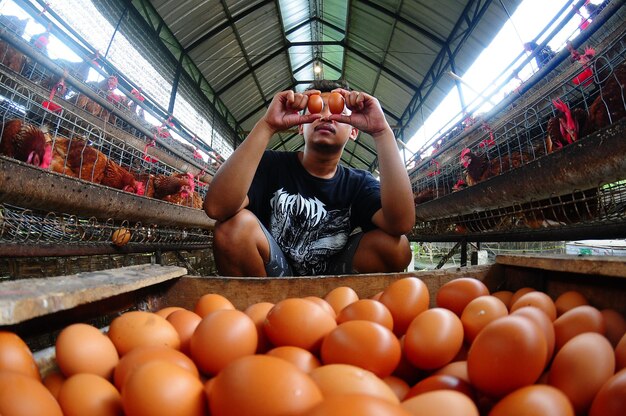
x,y
354,133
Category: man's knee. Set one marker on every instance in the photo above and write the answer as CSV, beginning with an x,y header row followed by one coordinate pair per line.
x,y
382,252
234,229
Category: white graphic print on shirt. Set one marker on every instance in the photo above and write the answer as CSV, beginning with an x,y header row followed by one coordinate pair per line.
x,y
307,233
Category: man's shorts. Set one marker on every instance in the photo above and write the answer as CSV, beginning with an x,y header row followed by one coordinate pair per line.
x,y
340,263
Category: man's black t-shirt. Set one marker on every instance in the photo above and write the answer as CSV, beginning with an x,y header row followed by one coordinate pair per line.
x,y
311,218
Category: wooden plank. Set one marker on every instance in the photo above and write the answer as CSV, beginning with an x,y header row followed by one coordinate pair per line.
x,y
244,291
597,265
21,300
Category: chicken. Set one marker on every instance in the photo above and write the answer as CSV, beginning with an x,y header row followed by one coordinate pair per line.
x,y
76,158
26,143
193,200
177,183
610,105
117,177
566,127
9,56
478,167
586,76
106,87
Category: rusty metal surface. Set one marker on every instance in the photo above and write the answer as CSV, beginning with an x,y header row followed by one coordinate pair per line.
x,y
27,186
19,250
597,159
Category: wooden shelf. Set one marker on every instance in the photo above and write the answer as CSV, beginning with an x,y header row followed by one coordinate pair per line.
x,y
595,265
21,300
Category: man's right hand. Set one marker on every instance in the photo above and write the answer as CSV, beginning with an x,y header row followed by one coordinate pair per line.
x,y
285,110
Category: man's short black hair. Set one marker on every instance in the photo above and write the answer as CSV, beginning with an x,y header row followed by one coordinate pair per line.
x,y
325,85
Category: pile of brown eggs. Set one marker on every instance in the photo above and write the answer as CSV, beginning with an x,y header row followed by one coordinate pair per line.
x,y
506,353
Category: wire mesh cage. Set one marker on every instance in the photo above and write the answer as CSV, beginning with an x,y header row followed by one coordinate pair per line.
x,y
584,101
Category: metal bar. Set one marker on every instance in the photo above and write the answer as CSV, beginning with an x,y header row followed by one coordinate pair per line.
x,y
448,256
463,252
20,250
28,186
595,159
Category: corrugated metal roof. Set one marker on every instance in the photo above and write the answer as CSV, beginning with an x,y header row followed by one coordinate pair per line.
x,y
398,51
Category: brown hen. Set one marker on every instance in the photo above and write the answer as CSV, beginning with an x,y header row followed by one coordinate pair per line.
x,y
76,158
26,143
610,105
193,200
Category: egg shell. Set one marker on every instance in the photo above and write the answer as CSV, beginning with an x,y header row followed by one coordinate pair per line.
x,y
433,339
221,337
365,344
581,367
577,321
16,356
509,353
298,322
143,355
441,402
82,348
340,297
479,312
542,320
53,382
185,323
138,328
356,404
456,369
505,296
161,388
297,356
341,379
457,293
258,312
405,298
441,382
336,103
521,292
532,401
210,302
569,300
25,396
611,398
615,325
89,394
368,310
537,300
121,236
315,104
262,385
620,354
165,312
398,386
324,304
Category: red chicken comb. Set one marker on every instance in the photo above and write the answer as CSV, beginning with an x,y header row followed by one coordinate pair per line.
x,y
560,105
464,152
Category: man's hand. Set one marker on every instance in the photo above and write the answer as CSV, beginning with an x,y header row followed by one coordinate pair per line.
x,y
367,114
285,110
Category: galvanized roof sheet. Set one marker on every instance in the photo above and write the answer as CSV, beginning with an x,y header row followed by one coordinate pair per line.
x,y
399,51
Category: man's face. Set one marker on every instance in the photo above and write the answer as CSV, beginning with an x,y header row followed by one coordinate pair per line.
x,y
328,133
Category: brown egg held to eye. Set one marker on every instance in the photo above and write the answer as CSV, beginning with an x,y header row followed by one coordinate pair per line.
x,y
336,103
315,104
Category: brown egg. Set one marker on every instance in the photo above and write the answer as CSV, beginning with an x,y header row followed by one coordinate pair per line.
x,y
441,382
433,339
620,354
569,300
581,367
298,322
258,312
405,298
441,402
211,302
324,304
544,323
532,401
138,328
456,369
340,297
398,386
82,348
577,321
16,356
165,312
356,404
521,292
162,388
367,310
341,379
505,296
220,338
611,399
297,356
23,395
537,300
336,103
53,382
89,394
142,355
365,344
615,325
315,104
121,236
457,293
480,312
262,385
185,323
